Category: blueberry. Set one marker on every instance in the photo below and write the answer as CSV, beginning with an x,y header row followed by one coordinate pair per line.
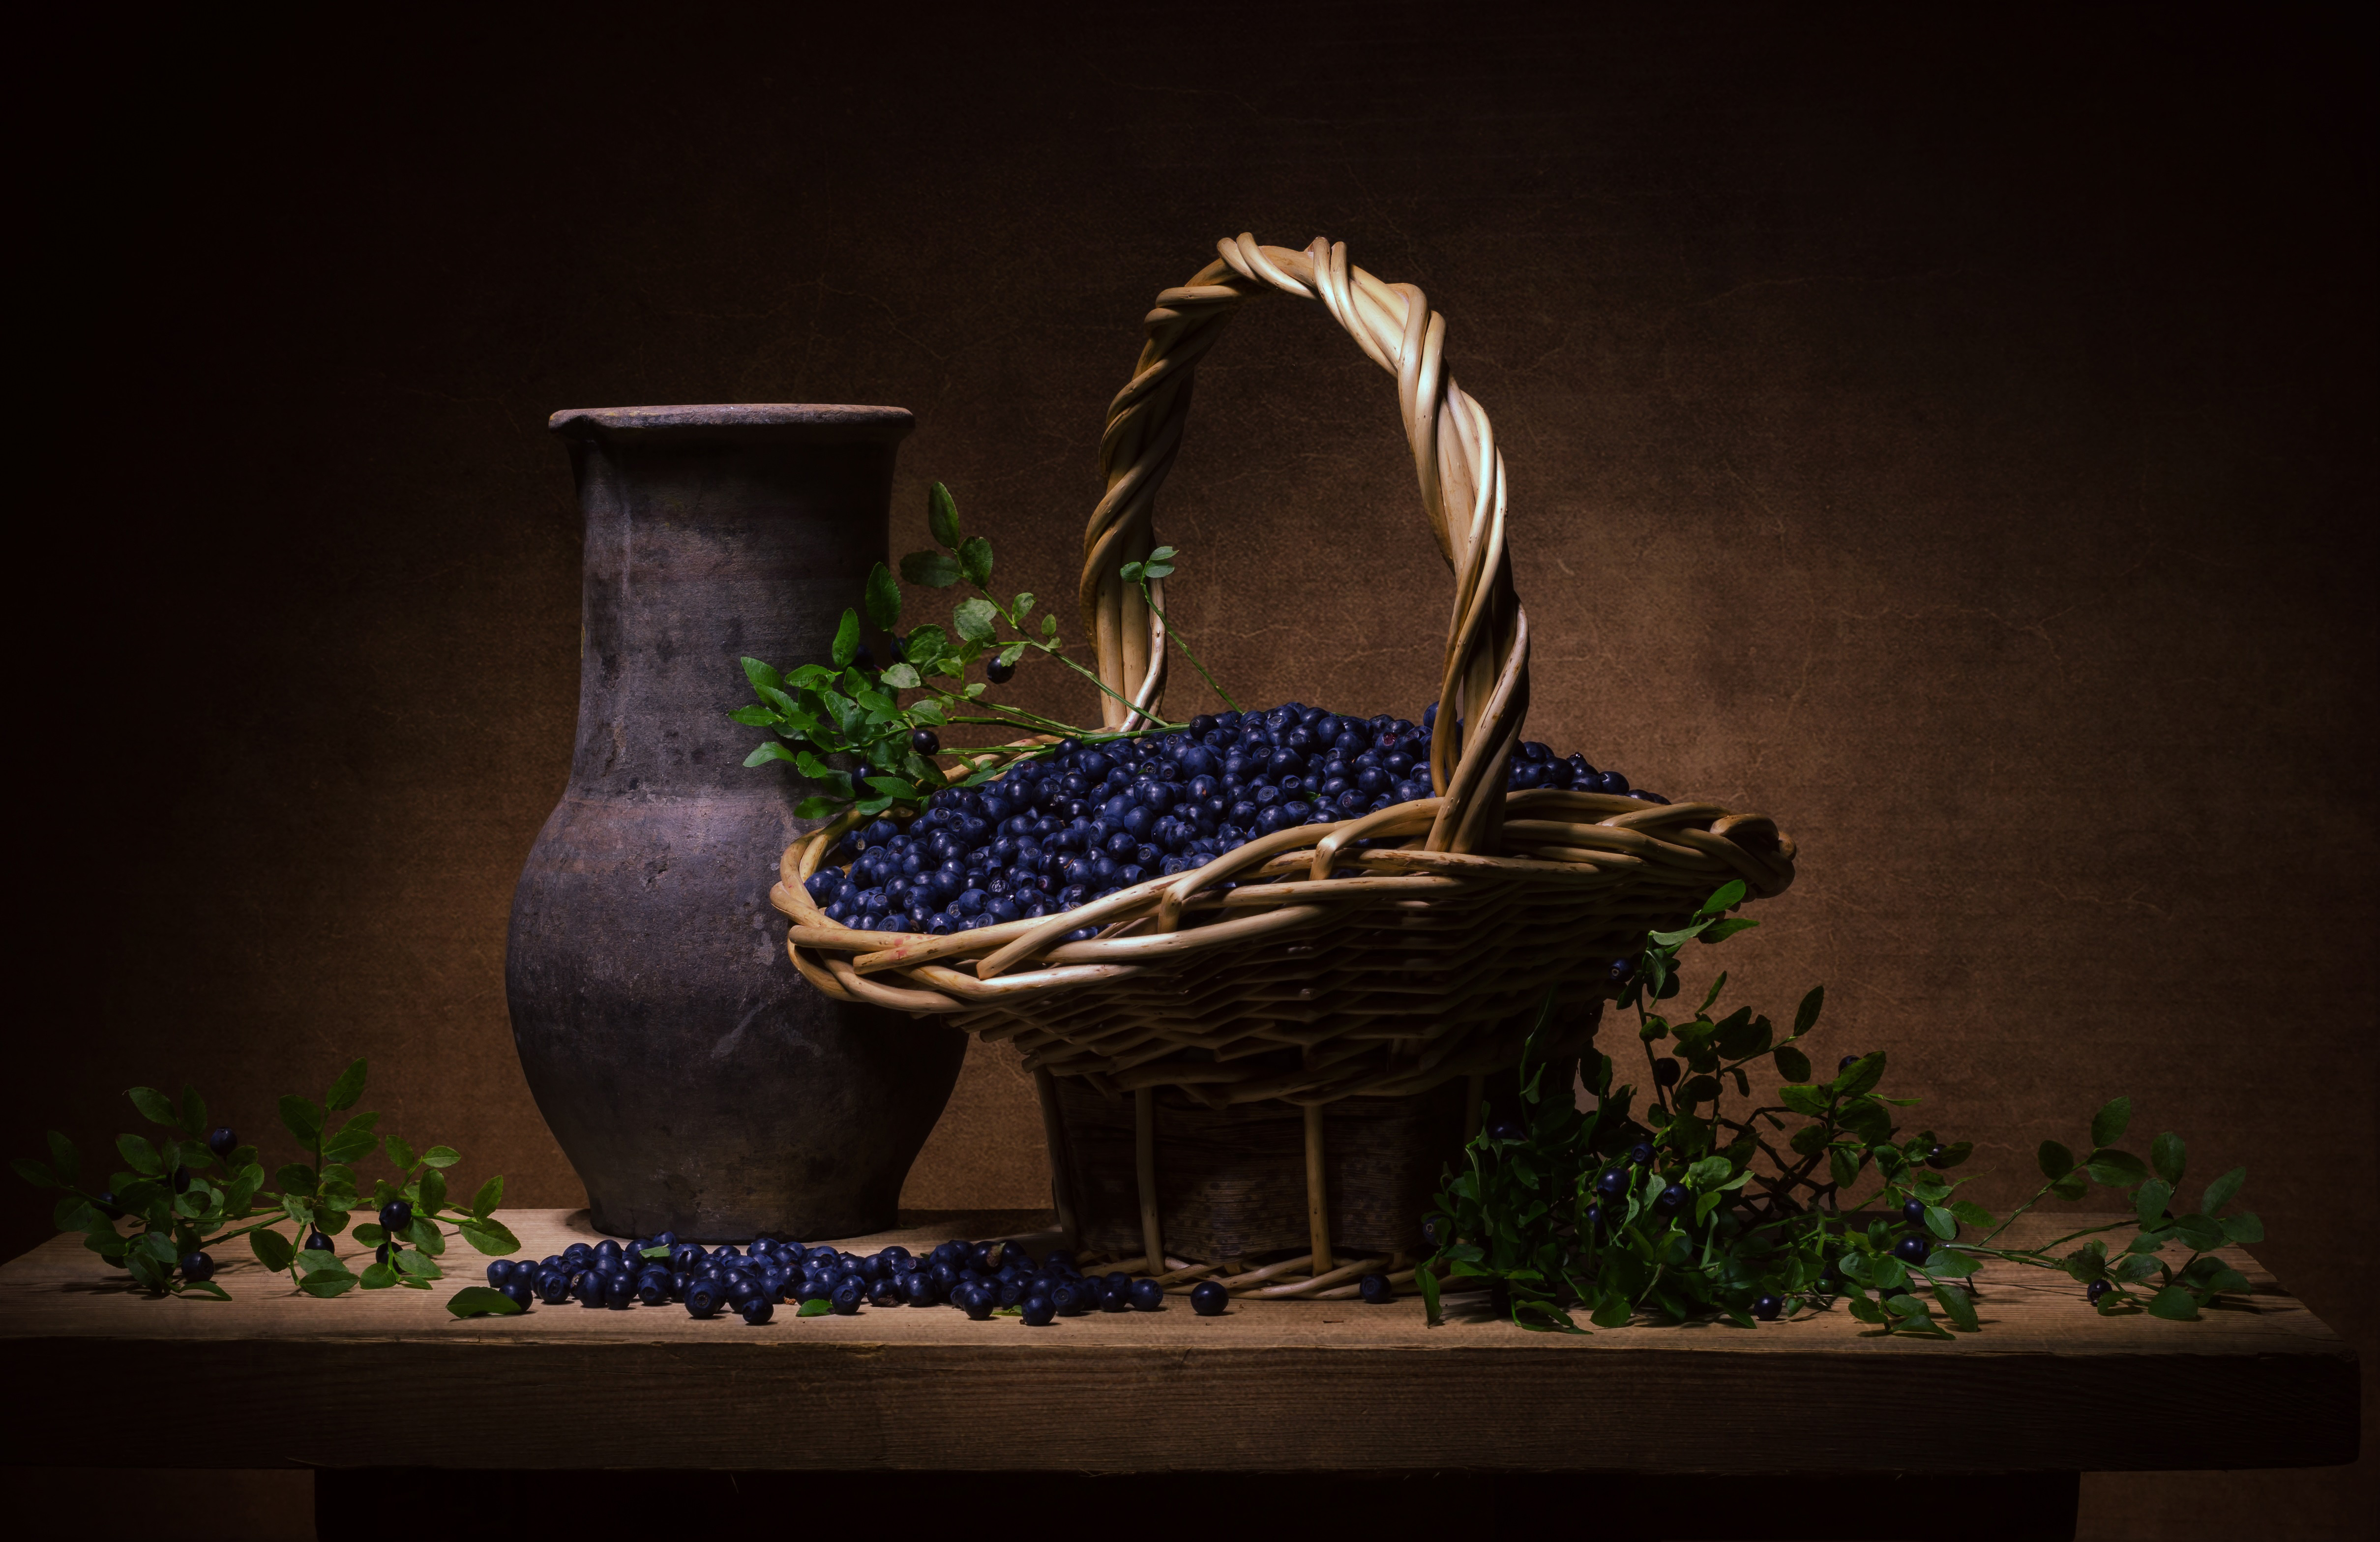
x,y
500,1270
702,1299
924,741
1070,1297
1913,1213
317,1243
1594,1217
1209,1299
197,1267
1376,1290
619,1292
885,1293
396,1215
1040,1311
1937,1158
653,1288
181,1179
999,671
1147,1295
1913,1249
1641,1154
1768,1306
552,1287
518,1293
917,1288
380,1254
1666,1072
2098,1288
1434,1231
1671,1198
1115,1298
1612,1184
586,1288
757,1309
108,1207
845,1297
1847,1063
607,1249
977,1303
222,1143
1506,1129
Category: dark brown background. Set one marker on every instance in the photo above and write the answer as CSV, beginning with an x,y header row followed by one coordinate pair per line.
x,y
1957,443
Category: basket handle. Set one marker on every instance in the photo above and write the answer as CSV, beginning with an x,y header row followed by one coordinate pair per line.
x,y
1483,683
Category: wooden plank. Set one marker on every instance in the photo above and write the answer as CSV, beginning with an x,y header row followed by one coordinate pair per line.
x,y
1272,1386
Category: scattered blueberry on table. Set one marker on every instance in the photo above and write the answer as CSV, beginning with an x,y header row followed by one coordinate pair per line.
x,y
1057,830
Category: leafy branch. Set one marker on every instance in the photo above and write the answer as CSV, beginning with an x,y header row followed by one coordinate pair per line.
x,y
1689,1212
844,724
193,1188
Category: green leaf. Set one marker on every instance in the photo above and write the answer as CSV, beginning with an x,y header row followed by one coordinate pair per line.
x,y
324,1283
2116,1169
1939,1221
2174,1303
2244,1228
491,1236
1805,1016
1791,1063
925,647
975,556
2220,1191
271,1249
2165,1154
1023,608
942,515
761,674
154,1105
2057,1161
303,1118
370,1234
201,1287
348,1145
350,1087
1050,625
813,1309
2107,1125
378,1276
846,639
1969,1213
490,1194
883,600
36,1173
1803,1099
64,1161
973,617
419,1265
773,750
930,570
1724,899
1864,1309
1009,655
400,1155
440,1156
432,1192
1860,1077
900,677
481,1301
1130,572
1720,931
139,1154
2074,1186
2151,1200
1958,1306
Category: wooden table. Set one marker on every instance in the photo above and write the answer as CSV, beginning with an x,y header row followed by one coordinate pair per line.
x,y
369,1383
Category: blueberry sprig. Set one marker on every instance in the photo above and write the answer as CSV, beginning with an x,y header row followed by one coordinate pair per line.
x,y
854,712
1686,1212
196,1188
982,1278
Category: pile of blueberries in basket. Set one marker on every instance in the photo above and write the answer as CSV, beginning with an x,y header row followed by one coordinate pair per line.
x,y
1077,824
978,1278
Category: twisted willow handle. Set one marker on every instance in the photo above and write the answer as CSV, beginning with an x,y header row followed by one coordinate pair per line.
x,y
1483,684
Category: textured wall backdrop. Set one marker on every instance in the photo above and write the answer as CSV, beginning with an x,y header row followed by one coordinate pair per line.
x,y
1956,442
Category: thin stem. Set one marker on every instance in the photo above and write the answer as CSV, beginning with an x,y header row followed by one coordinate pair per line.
x,y
1174,635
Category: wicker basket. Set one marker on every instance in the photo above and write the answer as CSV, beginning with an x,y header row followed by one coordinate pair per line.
x,y
1394,956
